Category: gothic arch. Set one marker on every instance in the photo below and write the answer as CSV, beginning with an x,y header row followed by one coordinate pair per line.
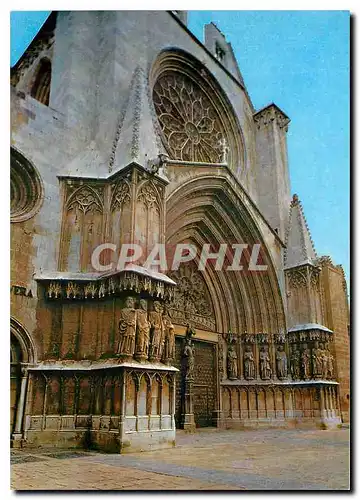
x,y
206,209
189,104
28,349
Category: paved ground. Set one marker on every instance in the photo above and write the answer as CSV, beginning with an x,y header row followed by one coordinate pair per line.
x,y
208,460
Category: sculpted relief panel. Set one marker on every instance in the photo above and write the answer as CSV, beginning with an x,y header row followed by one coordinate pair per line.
x,y
192,301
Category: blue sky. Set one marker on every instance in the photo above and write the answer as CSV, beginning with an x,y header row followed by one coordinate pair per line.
x,y
300,61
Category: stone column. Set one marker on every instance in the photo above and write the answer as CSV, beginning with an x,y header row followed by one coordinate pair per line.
x,y
188,416
322,403
18,434
173,401
188,419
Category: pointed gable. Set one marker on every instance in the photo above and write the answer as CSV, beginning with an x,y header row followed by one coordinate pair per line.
x,y
136,137
299,245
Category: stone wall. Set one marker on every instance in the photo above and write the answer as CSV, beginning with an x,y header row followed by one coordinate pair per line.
x,y
337,318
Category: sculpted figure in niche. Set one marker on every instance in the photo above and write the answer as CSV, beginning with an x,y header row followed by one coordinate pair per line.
x,y
232,363
305,362
317,360
157,332
295,364
249,363
281,362
169,347
127,328
265,367
142,330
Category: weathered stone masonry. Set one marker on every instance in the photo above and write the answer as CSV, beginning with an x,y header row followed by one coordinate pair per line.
x,y
126,129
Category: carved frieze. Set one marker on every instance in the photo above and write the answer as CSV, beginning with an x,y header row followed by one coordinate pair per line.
x,y
100,288
263,338
279,338
248,338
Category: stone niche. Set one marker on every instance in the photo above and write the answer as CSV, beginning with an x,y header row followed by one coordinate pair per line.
x,y
117,400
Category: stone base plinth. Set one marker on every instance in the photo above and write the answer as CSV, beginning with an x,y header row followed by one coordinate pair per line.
x,y
132,419
189,423
16,441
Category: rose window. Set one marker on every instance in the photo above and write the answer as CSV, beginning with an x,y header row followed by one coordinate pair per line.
x,y
191,126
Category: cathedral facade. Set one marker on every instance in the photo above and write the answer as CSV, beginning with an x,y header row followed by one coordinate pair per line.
x,y
127,131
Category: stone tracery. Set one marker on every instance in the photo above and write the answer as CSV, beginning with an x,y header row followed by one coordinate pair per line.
x,y
188,119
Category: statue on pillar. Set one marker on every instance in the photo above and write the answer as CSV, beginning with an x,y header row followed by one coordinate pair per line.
x,y
142,331
189,354
249,363
295,363
169,347
232,363
281,362
305,362
157,332
265,366
127,328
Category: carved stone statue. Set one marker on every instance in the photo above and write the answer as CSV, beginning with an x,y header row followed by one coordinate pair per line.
x,y
317,360
157,332
232,363
142,331
265,366
281,362
295,364
127,328
324,361
169,347
188,359
305,362
330,366
249,363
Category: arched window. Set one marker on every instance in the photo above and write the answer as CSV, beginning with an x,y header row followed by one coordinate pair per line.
x,y
41,87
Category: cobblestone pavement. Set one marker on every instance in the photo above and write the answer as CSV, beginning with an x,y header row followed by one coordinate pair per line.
x,y
208,460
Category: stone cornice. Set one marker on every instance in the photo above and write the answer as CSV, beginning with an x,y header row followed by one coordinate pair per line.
x,y
87,365
95,286
118,174
269,114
